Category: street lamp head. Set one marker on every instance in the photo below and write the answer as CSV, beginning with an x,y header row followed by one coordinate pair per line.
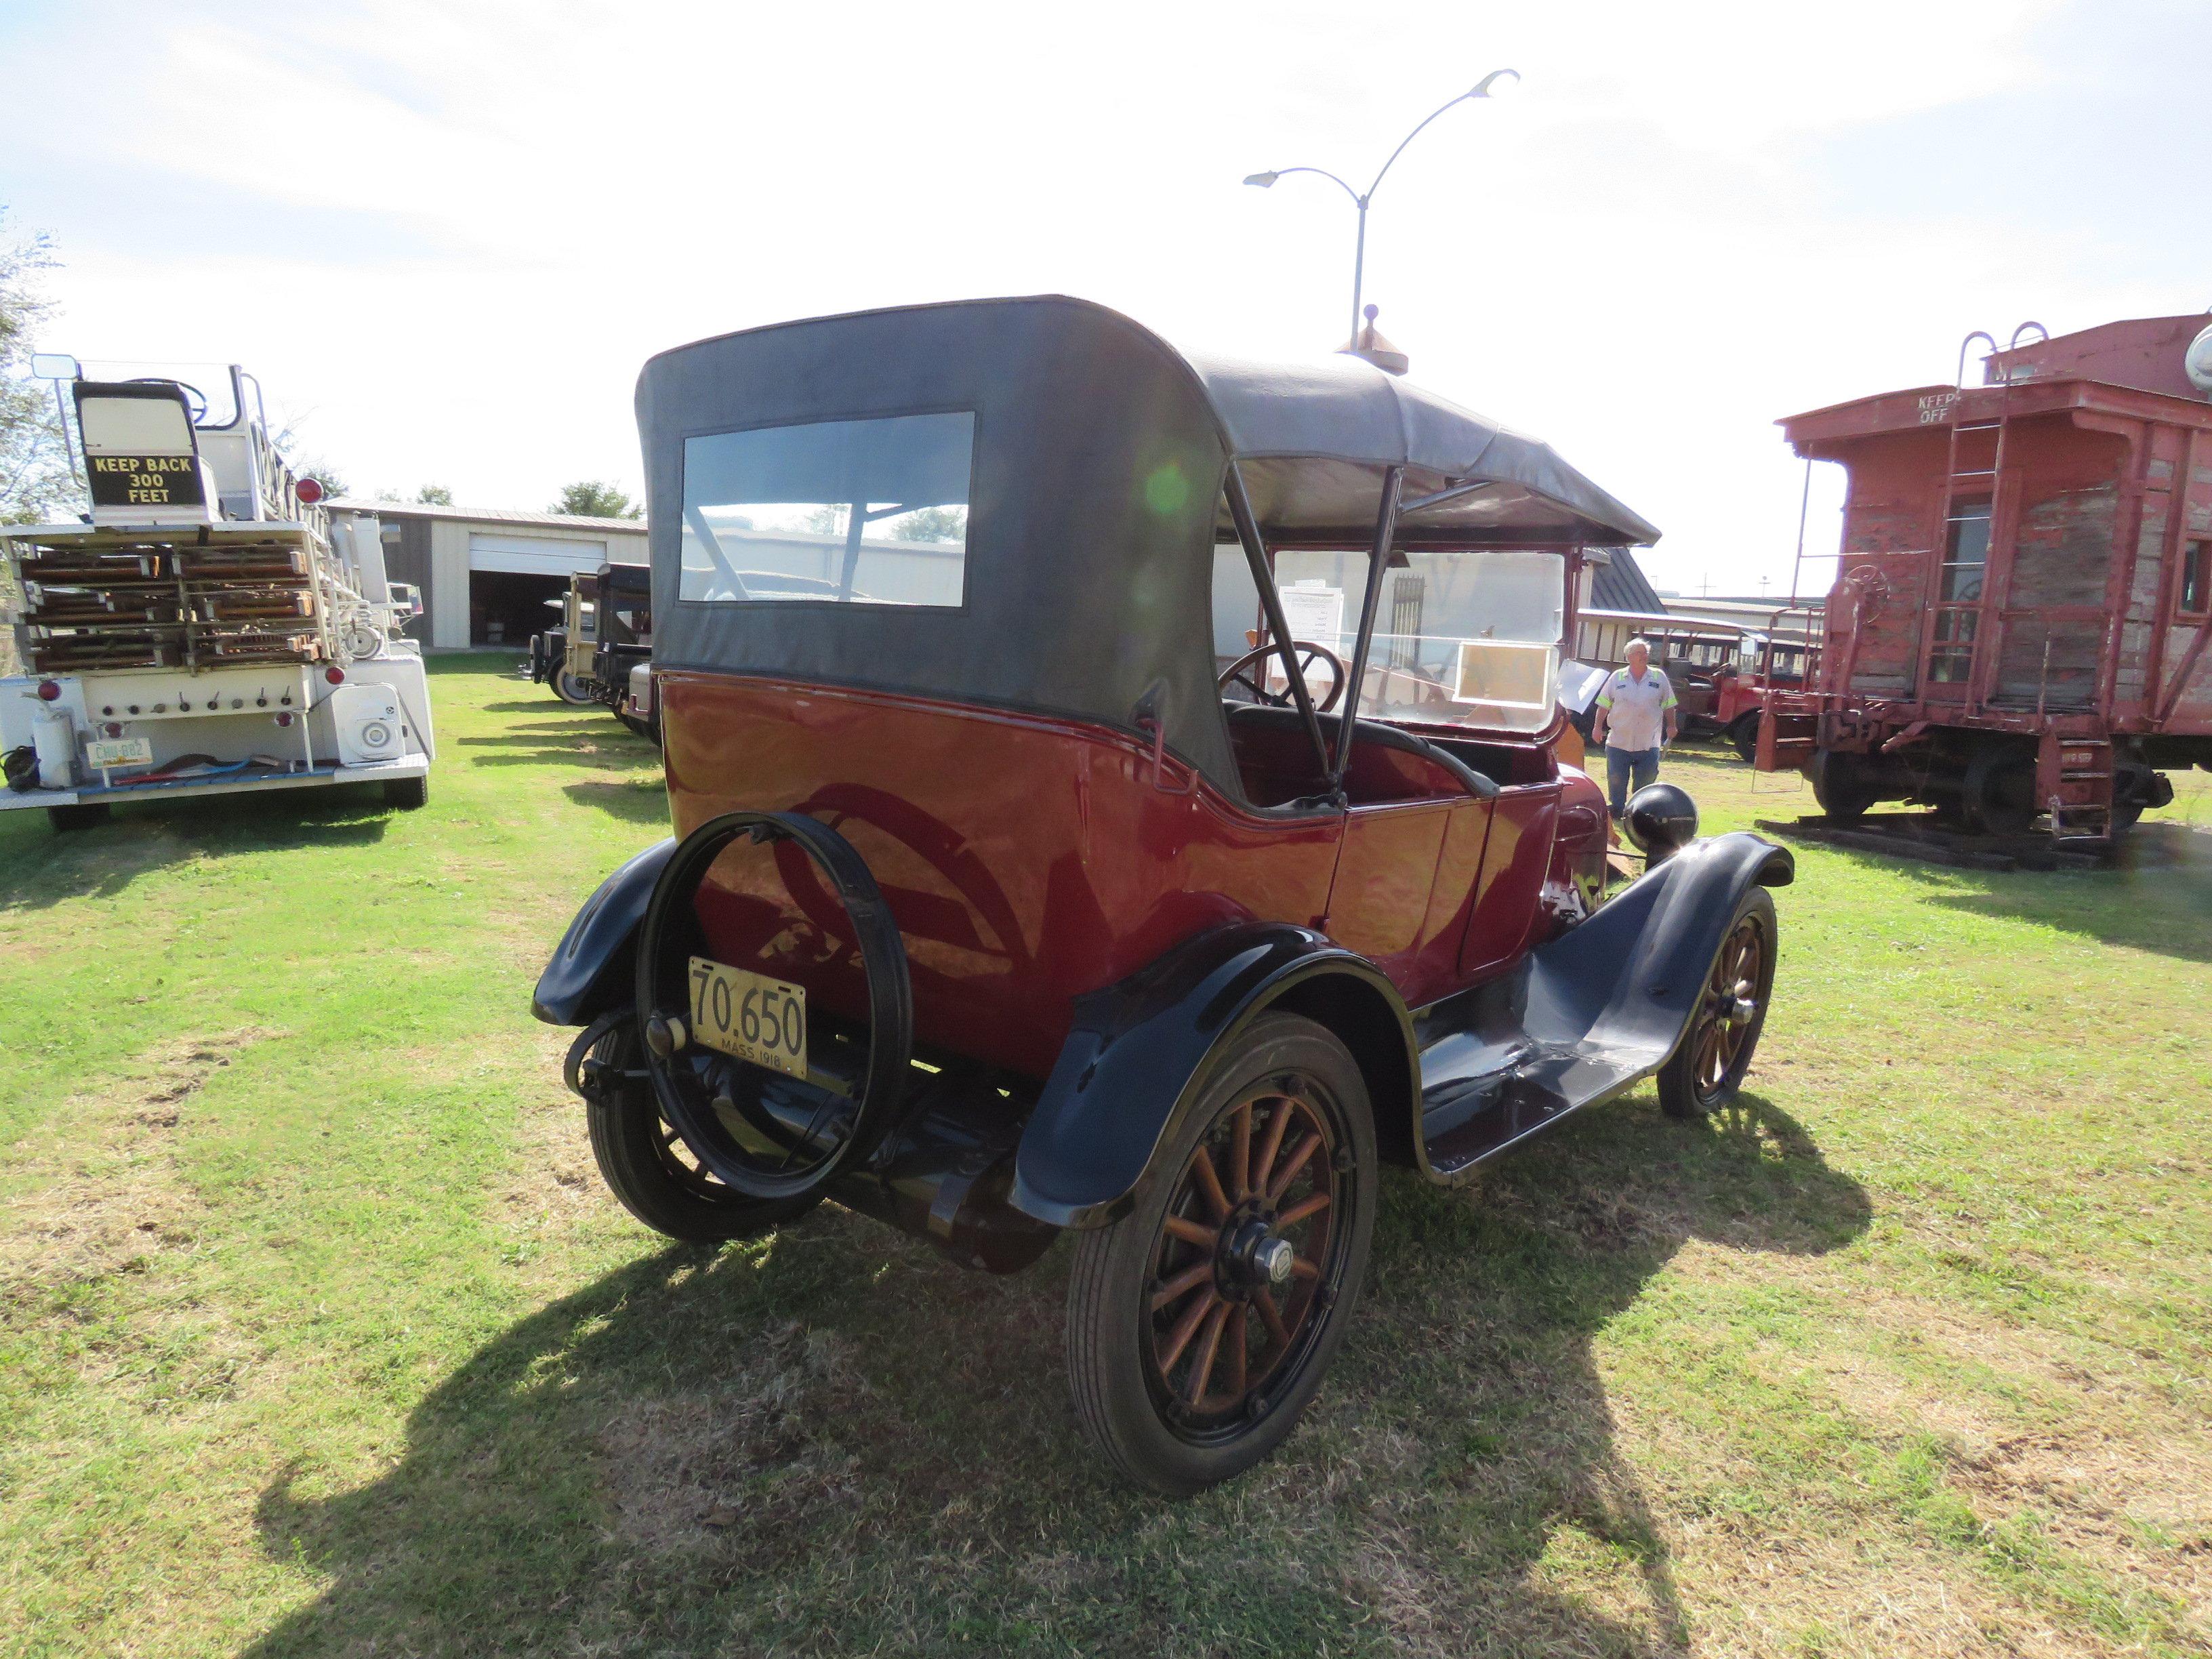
x,y
1265,181
1482,87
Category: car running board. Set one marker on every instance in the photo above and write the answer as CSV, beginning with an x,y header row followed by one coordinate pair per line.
x,y
1476,1101
1588,1015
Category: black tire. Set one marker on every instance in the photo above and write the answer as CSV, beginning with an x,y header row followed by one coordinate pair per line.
x,y
407,794
1998,790
1841,786
1708,1066
637,727
1743,735
1284,1067
83,817
648,1168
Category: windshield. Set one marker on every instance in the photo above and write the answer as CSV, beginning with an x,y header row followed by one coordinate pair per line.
x,y
1468,638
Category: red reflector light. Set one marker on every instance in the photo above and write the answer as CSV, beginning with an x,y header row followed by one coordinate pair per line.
x,y
336,675
309,490
50,690
285,718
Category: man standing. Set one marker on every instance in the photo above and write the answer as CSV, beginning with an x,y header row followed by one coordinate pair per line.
x,y
1636,714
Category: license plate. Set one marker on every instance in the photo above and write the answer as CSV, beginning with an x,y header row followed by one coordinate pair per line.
x,y
105,752
750,1016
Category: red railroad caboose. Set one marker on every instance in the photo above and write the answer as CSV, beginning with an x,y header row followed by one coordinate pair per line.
x,y
2019,623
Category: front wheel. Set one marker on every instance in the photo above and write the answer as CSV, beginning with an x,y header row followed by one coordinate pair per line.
x,y
1743,735
1200,1324
1707,1067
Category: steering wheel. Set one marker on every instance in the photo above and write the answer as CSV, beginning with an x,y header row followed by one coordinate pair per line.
x,y
1240,673
196,401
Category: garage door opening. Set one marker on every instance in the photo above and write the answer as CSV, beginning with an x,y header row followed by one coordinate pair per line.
x,y
506,607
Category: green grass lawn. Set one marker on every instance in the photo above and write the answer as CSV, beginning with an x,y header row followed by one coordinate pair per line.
x,y
317,1333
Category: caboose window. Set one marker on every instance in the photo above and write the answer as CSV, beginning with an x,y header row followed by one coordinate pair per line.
x,y
2197,577
871,512
1966,550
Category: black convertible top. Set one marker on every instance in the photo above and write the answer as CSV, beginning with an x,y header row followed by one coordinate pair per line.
x,y
1094,499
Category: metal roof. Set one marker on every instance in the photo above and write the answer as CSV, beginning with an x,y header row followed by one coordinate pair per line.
x,y
1622,585
490,515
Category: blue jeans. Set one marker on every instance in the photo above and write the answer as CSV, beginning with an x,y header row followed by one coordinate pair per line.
x,y
1619,764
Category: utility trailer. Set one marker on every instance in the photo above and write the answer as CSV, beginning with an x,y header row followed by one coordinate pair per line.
x,y
207,627
2017,632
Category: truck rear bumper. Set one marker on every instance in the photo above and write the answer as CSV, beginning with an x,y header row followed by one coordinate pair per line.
x,y
411,766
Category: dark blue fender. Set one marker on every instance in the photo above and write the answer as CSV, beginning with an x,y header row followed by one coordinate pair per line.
x,y
1588,1015
1136,1059
595,967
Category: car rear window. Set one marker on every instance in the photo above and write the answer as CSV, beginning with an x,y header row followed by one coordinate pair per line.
x,y
869,511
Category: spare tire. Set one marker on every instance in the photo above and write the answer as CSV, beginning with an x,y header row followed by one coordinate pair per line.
x,y
764,1133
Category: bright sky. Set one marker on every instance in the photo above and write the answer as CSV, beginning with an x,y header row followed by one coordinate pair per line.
x,y
447,232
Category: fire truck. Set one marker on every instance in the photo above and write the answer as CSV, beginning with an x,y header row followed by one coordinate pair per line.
x,y
208,627
2017,634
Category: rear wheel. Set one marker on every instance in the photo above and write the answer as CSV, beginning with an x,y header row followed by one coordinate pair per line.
x,y
407,794
1743,735
1708,1066
77,818
1200,1324
569,689
646,1163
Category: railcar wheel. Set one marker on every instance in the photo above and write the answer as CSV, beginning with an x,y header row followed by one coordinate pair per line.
x,y
1707,1067
645,1162
1198,1325
1840,784
1999,791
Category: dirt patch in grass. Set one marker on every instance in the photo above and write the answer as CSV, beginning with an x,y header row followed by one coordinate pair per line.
x,y
96,1191
740,1470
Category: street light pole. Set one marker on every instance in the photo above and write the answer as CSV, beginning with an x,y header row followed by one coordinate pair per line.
x,y
1361,198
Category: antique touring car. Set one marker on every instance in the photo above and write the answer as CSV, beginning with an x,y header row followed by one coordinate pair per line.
x,y
1014,891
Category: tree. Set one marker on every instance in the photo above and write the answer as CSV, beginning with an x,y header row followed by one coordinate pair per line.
x,y
592,498
433,495
35,480
931,523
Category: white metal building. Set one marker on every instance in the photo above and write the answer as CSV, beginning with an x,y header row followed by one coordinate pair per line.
x,y
485,573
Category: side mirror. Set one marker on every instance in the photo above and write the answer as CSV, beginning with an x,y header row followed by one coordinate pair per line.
x,y
1662,820
55,366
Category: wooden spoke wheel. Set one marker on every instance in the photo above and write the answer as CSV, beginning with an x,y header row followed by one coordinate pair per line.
x,y
1201,1323
1708,1067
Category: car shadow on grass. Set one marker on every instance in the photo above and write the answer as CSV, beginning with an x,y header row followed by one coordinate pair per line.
x,y
832,1441
40,867
645,801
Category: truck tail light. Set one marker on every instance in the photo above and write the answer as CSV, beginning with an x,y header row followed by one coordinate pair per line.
x,y
334,674
50,690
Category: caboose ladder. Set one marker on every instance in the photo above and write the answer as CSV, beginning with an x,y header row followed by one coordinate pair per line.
x,y
1968,482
